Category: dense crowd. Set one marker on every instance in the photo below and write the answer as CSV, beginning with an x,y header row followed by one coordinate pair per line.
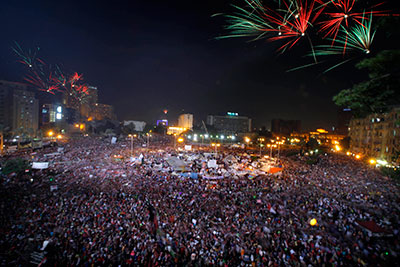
x,y
106,210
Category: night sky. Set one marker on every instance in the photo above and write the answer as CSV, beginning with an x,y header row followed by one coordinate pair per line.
x,y
145,56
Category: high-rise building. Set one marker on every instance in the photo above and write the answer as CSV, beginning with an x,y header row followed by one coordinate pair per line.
x,y
6,100
185,121
286,127
88,107
19,109
343,121
103,111
51,113
230,123
377,135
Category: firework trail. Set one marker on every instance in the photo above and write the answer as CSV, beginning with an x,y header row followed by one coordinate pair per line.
x,y
51,79
27,58
356,42
288,22
342,14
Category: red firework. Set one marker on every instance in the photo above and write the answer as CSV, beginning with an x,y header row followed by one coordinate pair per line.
x,y
343,15
41,84
295,23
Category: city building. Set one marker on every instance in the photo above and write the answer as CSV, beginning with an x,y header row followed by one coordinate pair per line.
x,y
6,99
326,138
19,109
377,135
103,111
51,113
162,122
343,121
285,127
173,130
230,123
88,107
321,135
185,121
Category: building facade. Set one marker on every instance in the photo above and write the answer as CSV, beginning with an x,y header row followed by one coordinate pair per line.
x,y
103,111
230,124
185,121
88,107
377,135
51,113
6,98
19,109
343,121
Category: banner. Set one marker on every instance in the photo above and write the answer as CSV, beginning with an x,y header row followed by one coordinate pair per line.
x,y
52,154
53,187
12,149
40,165
212,163
213,177
188,147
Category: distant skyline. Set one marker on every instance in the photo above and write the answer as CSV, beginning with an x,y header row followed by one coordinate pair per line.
x,y
145,57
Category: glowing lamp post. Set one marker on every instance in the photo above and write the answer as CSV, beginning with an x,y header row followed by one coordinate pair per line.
x,y
261,140
215,146
247,140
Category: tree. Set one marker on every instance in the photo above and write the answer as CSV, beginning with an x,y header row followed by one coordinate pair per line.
x,y
312,144
345,143
379,92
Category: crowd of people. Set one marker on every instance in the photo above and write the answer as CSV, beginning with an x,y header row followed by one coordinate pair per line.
x,y
94,207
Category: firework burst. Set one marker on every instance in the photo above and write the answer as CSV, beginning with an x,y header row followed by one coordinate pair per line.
x,y
341,14
356,42
288,22
51,79
358,38
27,58
348,30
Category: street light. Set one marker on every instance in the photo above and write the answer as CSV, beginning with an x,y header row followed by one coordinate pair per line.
x,y
279,143
247,140
50,133
215,146
261,140
270,150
